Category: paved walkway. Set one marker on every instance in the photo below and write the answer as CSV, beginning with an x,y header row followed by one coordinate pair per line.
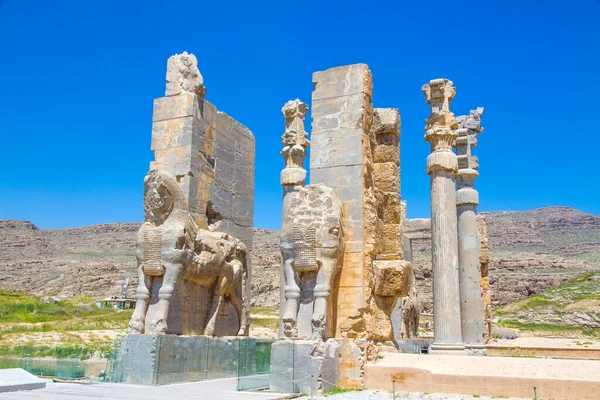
x,y
222,389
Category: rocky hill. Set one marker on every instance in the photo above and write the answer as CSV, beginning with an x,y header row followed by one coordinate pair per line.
x,y
529,252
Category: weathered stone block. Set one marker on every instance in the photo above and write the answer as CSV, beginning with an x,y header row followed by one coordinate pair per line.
x,y
352,271
243,210
172,133
385,153
386,120
349,176
330,149
392,209
183,75
342,81
184,105
391,240
392,277
387,177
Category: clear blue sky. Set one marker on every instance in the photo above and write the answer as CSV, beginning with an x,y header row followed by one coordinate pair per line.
x,y
78,78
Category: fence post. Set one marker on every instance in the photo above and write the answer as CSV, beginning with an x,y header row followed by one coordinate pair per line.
x,y
393,389
535,393
310,387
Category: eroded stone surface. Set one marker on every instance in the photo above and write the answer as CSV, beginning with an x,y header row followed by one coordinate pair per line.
x,y
183,75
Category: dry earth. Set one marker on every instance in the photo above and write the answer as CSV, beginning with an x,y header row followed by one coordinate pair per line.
x,y
530,251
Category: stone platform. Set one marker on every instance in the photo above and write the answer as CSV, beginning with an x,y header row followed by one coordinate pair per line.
x,y
486,376
13,379
168,359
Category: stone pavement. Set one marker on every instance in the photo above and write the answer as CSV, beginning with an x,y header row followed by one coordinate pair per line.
x,y
222,389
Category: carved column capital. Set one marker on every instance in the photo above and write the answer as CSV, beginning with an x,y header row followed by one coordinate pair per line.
x,y
295,142
438,94
469,127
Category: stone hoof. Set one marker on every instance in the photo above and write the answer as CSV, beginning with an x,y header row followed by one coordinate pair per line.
x,y
135,326
159,327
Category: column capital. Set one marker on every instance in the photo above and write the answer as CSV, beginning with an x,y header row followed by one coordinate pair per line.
x,y
469,127
438,94
295,142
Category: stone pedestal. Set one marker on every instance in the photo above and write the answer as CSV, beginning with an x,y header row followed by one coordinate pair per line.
x,y
167,359
305,366
442,167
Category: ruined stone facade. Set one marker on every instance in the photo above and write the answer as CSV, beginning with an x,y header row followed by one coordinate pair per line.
x,y
194,272
355,182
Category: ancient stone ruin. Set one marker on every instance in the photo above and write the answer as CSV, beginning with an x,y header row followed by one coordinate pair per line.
x,y
343,268
199,208
192,249
347,286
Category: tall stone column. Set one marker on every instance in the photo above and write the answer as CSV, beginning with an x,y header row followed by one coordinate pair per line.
x,y
292,178
469,246
442,167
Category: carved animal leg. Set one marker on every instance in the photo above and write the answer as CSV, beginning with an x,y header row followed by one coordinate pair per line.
x,y
321,293
142,297
415,325
210,326
291,292
172,273
237,305
238,275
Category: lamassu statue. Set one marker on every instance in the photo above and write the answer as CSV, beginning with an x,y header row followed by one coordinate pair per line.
x,y
177,261
311,247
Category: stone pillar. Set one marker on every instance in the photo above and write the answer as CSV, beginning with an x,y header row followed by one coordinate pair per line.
x,y
469,246
484,260
342,114
178,142
292,178
442,168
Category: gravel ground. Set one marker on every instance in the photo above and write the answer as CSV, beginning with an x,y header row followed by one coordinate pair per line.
x,y
384,395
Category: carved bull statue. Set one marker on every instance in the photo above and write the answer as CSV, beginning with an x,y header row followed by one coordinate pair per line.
x,y
171,248
311,247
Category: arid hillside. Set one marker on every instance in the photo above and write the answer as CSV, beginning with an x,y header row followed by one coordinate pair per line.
x,y
530,251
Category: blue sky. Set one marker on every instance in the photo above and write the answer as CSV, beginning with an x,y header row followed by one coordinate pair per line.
x,y
78,78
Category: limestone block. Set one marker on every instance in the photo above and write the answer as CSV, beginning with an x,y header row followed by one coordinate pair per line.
x,y
392,277
342,81
387,177
331,149
221,203
183,75
391,240
243,210
352,271
392,209
386,120
184,105
172,133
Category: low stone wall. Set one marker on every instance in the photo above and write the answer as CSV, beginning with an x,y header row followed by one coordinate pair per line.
x,y
486,376
553,352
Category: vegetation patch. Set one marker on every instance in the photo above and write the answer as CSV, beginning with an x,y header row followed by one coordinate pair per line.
x,y
571,307
69,328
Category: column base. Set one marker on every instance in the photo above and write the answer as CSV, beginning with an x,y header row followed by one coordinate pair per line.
x,y
476,349
448,349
